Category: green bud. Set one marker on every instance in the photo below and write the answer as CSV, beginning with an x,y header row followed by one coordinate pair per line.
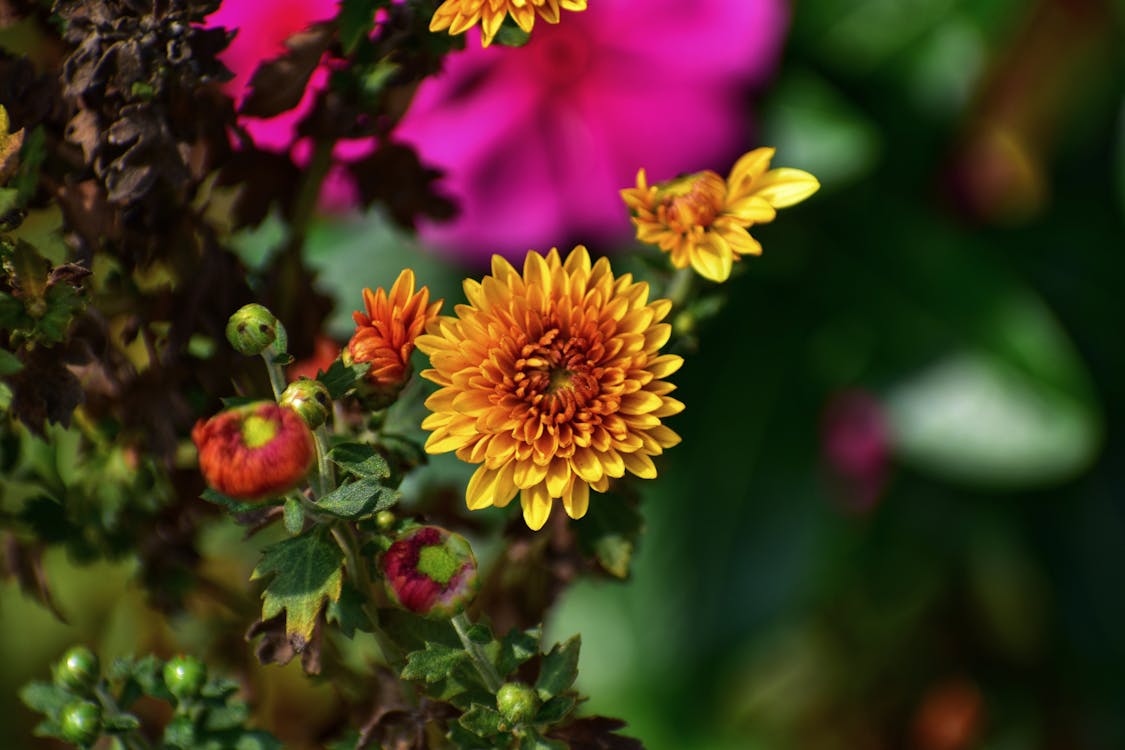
x,y
385,520
78,670
310,399
517,702
184,677
251,329
81,722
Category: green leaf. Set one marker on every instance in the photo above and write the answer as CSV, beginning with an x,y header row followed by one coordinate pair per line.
x,y
464,739
515,648
226,717
413,633
121,723
45,698
355,21
235,506
559,669
12,313
256,739
532,740
341,378
361,460
364,497
307,571
609,532
63,303
482,720
9,200
294,517
436,662
555,710
347,612
9,363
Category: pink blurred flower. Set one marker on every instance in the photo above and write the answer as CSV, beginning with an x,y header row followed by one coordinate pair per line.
x,y
536,141
855,440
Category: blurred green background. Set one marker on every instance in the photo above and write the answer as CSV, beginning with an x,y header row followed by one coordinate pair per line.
x,y
962,267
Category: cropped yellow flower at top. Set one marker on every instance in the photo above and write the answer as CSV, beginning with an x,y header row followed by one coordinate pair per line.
x,y
552,382
701,219
461,15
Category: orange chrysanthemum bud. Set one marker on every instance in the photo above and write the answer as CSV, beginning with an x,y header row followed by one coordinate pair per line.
x,y
255,451
384,337
430,571
701,219
461,15
552,381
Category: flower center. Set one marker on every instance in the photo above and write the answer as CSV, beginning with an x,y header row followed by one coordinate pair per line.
x,y
436,563
692,201
556,376
257,431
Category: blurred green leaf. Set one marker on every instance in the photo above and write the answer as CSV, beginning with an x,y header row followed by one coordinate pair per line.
x,y
559,668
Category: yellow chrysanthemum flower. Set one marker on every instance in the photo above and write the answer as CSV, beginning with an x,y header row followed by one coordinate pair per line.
x,y
552,382
461,15
701,220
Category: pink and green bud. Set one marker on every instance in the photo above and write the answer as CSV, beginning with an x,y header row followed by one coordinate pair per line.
x,y
431,572
310,399
251,329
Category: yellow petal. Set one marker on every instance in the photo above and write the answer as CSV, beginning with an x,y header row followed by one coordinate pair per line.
x,y
785,187
577,500
748,168
536,502
640,464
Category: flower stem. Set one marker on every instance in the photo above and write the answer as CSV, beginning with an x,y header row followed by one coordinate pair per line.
x,y
488,673
277,377
353,559
325,475
680,287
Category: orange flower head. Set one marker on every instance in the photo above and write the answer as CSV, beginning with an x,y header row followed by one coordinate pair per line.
x,y
461,15
385,336
255,451
701,219
551,380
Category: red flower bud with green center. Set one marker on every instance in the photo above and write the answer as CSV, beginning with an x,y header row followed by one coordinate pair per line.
x,y
255,451
431,572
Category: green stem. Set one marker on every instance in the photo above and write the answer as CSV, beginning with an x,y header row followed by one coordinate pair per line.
x,y
277,377
323,465
353,559
488,673
680,287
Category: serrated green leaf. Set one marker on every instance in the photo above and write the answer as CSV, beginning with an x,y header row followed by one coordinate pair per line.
x,y
9,363
358,499
347,612
361,460
515,648
555,710
294,516
482,720
63,303
435,662
45,698
235,506
559,668
307,572
341,378
465,740
479,633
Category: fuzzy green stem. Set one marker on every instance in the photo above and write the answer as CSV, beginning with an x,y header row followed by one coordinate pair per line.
x,y
325,479
492,679
277,377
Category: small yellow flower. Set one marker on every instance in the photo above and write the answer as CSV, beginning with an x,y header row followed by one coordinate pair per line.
x,y
552,381
701,220
461,15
